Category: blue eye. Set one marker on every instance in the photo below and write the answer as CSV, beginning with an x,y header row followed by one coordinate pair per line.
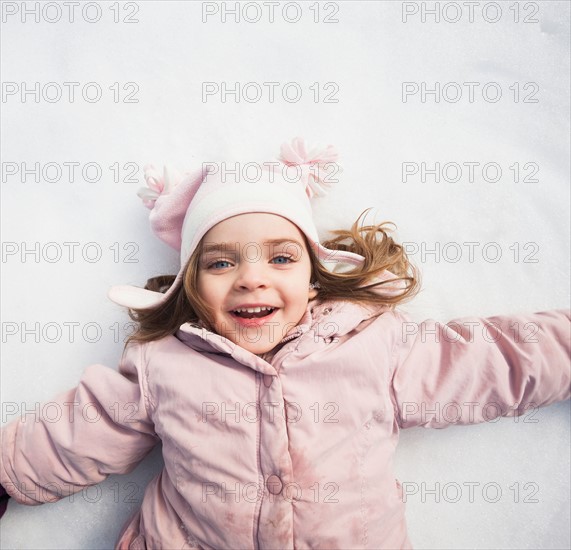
x,y
288,260
219,262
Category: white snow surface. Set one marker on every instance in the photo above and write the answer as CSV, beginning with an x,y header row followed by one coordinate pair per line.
x,y
362,60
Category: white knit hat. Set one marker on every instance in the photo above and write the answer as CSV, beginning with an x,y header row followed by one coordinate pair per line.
x,y
184,208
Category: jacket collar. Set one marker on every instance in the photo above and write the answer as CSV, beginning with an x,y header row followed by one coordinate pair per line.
x,y
331,318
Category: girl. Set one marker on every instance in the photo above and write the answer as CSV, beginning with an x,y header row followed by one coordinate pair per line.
x,y
277,373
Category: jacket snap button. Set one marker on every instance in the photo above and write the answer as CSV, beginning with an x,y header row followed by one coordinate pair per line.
x,y
268,379
274,484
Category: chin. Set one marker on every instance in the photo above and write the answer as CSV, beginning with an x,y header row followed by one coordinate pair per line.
x,y
259,350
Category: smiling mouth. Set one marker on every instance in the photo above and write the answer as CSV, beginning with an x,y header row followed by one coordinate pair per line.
x,y
255,314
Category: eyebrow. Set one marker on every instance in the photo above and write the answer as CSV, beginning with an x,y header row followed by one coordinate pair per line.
x,y
216,247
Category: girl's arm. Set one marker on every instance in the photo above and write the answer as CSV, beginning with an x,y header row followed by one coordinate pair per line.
x,y
474,369
99,428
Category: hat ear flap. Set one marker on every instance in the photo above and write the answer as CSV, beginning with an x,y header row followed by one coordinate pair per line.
x,y
343,261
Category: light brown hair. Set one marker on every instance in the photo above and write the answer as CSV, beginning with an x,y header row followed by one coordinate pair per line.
x,y
186,306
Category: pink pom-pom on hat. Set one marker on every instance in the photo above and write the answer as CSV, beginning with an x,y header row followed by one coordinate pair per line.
x,y
317,166
184,207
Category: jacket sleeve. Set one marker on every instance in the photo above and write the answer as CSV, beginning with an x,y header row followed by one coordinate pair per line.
x,y
474,369
77,439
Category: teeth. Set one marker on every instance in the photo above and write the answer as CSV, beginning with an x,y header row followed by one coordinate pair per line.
x,y
253,309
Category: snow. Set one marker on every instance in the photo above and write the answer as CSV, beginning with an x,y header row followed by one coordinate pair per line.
x,y
362,61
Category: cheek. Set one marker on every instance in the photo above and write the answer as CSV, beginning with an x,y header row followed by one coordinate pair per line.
x,y
300,294
212,290
203,289
200,286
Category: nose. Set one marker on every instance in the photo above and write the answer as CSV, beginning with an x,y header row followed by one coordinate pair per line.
x,y
251,275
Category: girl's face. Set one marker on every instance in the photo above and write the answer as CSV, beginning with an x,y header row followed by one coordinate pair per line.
x,y
251,260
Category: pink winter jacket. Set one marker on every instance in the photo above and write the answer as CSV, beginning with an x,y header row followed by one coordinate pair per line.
x,y
293,449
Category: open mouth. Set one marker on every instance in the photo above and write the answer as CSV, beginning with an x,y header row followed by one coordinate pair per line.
x,y
253,313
